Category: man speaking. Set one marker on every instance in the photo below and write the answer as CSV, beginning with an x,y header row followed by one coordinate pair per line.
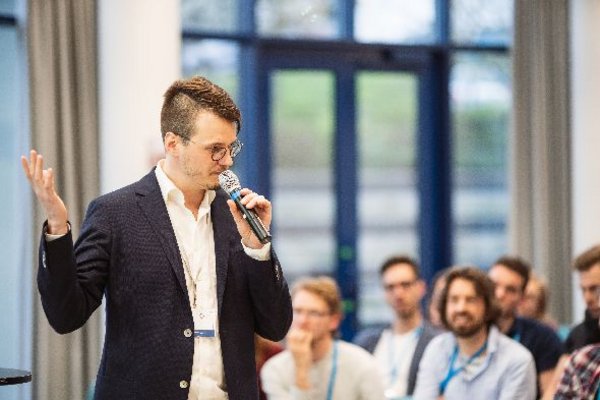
x,y
187,282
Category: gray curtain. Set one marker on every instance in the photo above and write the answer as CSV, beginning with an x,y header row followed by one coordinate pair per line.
x,y
64,128
541,222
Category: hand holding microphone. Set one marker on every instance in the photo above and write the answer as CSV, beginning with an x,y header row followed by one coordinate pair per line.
x,y
250,207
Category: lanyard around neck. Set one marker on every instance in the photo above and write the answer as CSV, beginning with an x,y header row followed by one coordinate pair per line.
x,y
333,373
452,372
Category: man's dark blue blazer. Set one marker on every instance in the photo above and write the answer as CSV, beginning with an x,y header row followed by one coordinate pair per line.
x,y
127,251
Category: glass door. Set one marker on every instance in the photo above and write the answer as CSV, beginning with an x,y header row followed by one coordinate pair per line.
x,y
343,176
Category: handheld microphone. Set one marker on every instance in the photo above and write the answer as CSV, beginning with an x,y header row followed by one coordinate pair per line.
x,y
231,185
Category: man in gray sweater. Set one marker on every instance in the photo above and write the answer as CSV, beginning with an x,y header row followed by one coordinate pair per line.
x,y
315,365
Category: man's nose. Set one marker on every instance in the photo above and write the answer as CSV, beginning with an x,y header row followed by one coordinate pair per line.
x,y
500,292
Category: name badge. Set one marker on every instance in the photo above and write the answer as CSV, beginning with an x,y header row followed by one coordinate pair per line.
x,y
205,323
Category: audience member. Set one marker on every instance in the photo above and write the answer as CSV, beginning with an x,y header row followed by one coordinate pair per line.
x,y
535,301
579,377
315,365
474,360
587,332
510,276
400,346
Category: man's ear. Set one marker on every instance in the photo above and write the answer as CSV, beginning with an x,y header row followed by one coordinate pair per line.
x,y
335,322
170,142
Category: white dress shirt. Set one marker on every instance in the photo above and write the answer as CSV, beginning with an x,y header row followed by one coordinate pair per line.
x,y
196,244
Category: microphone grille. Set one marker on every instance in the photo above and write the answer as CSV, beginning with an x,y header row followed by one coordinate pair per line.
x,y
229,181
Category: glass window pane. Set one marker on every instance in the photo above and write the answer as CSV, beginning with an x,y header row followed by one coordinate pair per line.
x,y
394,21
482,21
303,199
210,15
480,101
15,278
297,18
7,7
387,196
217,60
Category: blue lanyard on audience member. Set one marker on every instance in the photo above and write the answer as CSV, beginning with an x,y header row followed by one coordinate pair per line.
x,y
452,372
393,363
598,394
516,336
517,332
333,371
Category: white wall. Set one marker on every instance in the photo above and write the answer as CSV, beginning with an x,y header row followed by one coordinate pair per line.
x,y
585,128
139,53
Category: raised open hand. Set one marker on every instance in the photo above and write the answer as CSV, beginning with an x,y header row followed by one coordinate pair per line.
x,y
42,183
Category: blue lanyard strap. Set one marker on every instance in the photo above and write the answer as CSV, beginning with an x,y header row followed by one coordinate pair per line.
x,y
452,372
333,371
516,336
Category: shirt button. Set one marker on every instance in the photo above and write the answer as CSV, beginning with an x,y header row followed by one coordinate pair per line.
x,y
183,384
187,333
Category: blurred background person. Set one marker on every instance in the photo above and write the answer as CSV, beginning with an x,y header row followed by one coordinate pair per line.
x,y
474,360
316,365
400,346
579,375
535,301
587,265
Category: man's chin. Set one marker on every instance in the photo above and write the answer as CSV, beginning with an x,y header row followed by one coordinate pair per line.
x,y
466,331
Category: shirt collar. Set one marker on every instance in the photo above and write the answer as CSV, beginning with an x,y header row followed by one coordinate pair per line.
x,y
169,190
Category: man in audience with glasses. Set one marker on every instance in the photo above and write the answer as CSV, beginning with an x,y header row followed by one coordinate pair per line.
x,y
316,365
400,346
474,360
187,284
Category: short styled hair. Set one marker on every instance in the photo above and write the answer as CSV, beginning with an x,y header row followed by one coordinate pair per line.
x,y
324,287
400,259
484,288
517,265
587,259
185,98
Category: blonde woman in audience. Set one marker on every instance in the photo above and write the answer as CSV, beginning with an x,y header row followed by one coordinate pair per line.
x,y
535,301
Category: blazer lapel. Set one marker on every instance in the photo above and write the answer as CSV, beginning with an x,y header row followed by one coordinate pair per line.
x,y
153,206
222,234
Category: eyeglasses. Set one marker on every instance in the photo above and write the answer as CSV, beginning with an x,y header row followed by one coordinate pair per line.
x,y
312,314
218,152
404,285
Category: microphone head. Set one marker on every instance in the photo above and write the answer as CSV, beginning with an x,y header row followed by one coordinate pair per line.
x,y
229,182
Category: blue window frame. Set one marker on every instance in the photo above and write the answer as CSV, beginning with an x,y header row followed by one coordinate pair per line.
x,y
438,225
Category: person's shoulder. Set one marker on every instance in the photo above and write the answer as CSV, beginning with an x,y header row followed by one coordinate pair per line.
x,y
586,354
279,360
539,331
513,350
145,184
431,330
367,336
357,353
440,344
532,324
